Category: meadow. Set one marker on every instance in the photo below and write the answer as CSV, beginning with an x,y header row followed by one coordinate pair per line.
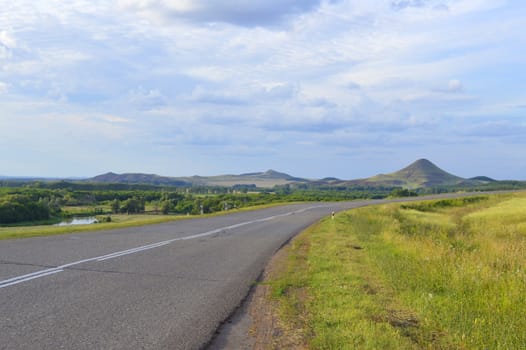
x,y
442,274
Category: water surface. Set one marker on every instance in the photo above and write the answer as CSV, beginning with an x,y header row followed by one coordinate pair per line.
x,y
78,221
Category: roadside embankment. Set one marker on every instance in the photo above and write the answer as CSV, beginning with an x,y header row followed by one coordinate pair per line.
x,y
441,274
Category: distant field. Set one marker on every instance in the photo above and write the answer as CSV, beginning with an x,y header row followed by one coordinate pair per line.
x,y
443,274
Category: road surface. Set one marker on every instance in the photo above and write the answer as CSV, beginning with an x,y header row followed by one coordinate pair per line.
x,y
165,286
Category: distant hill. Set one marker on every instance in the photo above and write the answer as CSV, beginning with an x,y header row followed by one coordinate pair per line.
x,y
270,174
421,173
137,178
329,179
483,178
269,178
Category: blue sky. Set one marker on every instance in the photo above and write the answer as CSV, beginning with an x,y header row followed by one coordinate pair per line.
x,y
314,88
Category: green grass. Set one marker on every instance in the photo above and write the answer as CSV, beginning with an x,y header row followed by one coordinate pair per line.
x,y
448,274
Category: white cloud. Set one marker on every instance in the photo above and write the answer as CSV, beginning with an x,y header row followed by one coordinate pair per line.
x,y
212,73
115,119
455,85
3,87
201,95
7,40
7,44
144,99
268,74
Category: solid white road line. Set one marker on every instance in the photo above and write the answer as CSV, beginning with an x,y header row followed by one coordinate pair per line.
x,y
51,271
20,280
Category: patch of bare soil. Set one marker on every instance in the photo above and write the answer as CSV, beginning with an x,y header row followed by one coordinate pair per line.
x,y
267,328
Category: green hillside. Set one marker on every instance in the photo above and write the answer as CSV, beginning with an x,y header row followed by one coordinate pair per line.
x,y
421,173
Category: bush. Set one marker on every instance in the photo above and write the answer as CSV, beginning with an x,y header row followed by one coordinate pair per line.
x,y
20,208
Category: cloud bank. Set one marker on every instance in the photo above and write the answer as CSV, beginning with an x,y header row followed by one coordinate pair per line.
x,y
315,88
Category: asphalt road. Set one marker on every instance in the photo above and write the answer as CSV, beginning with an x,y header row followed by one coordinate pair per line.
x,y
166,286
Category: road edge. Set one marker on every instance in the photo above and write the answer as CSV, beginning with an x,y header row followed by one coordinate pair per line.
x,y
255,324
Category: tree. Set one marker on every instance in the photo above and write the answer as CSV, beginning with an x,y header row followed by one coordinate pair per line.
x,y
403,192
20,208
132,206
166,205
115,206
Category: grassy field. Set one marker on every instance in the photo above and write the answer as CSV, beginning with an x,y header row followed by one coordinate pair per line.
x,y
446,274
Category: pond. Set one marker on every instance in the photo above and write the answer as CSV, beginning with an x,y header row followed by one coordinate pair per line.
x,y
78,221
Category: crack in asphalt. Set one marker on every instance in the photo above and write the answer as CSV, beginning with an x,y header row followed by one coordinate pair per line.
x,y
8,262
144,274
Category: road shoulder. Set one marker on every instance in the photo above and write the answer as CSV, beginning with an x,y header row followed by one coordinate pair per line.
x,y
256,324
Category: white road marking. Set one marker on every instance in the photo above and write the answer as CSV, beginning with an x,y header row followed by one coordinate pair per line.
x,y
24,278
131,251
54,270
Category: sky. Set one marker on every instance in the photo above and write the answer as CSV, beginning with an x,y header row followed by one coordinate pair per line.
x,y
313,88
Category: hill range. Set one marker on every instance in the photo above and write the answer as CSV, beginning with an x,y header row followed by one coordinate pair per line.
x,y
269,178
420,174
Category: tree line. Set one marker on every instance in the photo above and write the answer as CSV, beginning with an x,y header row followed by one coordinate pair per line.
x,y
25,208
